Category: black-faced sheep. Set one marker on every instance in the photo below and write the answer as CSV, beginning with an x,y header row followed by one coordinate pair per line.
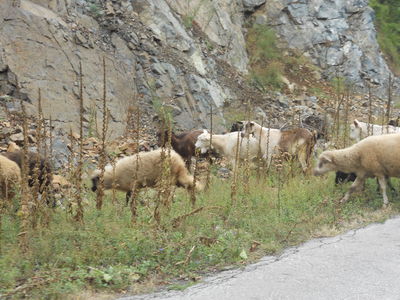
x,y
35,161
149,170
374,156
10,178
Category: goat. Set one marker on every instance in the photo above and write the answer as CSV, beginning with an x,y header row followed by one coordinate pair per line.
x,y
360,130
298,142
226,145
183,144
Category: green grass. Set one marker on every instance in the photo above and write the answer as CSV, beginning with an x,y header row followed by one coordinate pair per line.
x,y
388,25
108,254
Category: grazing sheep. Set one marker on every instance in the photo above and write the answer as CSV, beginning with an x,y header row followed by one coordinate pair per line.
x,y
149,170
374,156
298,142
226,145
10,178
183,144
360,130
34,161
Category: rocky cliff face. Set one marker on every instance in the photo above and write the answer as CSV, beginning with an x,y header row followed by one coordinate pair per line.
x,y
338,35
184,55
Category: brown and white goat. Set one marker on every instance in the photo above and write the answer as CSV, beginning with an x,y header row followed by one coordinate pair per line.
x,y
183,144
298,142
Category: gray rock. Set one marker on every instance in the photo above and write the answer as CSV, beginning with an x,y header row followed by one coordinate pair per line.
x,y
338,35
251,5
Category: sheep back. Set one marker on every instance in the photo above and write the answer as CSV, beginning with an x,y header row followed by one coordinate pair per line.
x,y
146,168
34,161
379,155
10,177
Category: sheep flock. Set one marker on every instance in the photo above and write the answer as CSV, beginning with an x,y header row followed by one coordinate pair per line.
x,y
376,154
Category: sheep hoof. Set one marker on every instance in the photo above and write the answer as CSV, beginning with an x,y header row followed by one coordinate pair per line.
x,y
343,200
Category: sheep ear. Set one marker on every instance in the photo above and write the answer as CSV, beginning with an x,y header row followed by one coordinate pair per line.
x,y
239,122
356,123
251,123
326,159
205,131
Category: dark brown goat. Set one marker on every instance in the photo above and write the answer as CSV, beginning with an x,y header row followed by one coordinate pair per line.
x,y
44,174
182,143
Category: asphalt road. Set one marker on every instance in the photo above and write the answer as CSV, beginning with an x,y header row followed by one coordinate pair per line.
x,y
361,264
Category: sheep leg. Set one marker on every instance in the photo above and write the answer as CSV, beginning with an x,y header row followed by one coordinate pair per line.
x,y
303,161
128,197
390,185
356,186
382,183
134,193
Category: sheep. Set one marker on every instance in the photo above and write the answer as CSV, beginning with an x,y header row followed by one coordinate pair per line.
x,y
183,144
44,174
149,168
10,177
298,142
374,156
360,130
226,145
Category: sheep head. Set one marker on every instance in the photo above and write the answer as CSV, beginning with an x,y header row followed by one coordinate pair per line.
x,y
355,131
325,163
203,142
248,128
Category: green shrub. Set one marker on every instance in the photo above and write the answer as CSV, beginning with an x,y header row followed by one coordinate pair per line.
x,y
388,25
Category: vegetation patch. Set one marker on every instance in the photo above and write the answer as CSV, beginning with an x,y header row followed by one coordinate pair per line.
x,y
388,25
107,253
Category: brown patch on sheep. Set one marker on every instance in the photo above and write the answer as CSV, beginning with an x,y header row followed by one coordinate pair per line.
x,y
44,169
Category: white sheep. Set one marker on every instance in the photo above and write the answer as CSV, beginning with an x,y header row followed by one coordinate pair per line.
x,y
10,177
144,170
298,142
374,156
360,130
226,145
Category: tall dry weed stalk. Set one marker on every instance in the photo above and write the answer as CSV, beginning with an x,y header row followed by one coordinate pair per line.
x,y
195,174
165,191
389,102
346,117
246,165
234,186
369,131
36,203
134,189
279,170
103,154
260,161
25,194
209,152
79,170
